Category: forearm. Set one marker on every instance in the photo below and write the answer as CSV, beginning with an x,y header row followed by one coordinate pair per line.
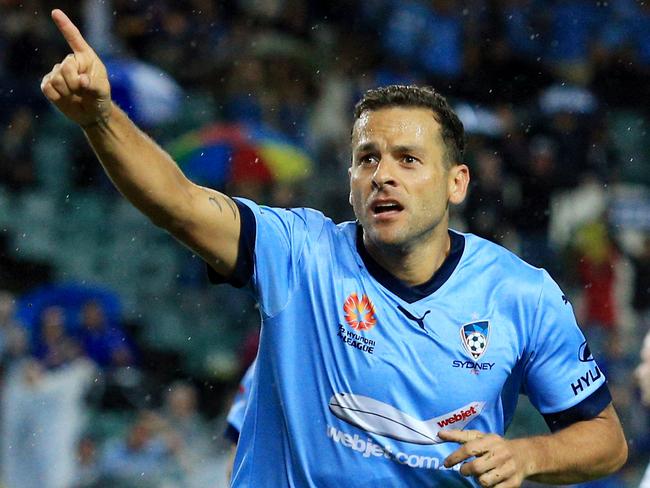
x,y
580,452
144,173
203,219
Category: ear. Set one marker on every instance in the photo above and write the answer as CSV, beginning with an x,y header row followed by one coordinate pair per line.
x,y
458,183
350,178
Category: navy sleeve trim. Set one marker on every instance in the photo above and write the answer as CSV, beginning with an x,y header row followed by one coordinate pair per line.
x,y
243,271
587,409
232,434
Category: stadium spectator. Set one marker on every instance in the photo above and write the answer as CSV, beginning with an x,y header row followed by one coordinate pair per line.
x,y
42,420
440,50
180,411
598,263
146,457
87,470
572,24
12,334
486,210
641,299
104,343
17,169
537,180
54,347
185,423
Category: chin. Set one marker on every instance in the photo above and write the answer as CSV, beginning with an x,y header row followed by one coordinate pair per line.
x,y
387,238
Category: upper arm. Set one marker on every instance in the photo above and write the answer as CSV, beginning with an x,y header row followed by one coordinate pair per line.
x,y
270,249
607,424
244,241
209,224
566,385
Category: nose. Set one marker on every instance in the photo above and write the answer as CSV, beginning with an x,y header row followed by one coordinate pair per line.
x,y
383,174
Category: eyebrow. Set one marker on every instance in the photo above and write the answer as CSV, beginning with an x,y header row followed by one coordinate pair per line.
x,y
366,147
406,149
403,148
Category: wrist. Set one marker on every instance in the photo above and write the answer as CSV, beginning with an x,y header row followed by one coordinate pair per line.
x,y
101,121
528,452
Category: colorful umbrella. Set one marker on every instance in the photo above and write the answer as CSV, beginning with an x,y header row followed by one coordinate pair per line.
x,y
235,153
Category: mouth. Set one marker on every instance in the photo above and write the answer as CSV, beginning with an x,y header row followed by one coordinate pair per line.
x,y
385,209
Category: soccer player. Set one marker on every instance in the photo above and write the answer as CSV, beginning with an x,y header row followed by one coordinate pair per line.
x,y
382,339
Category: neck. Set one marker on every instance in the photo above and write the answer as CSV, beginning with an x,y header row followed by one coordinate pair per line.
x,y
417,263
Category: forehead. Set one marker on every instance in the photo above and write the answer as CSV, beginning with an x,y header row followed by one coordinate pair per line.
x,y
399,124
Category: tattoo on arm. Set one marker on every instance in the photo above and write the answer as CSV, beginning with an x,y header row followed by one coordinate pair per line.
x,y
215,202
232,206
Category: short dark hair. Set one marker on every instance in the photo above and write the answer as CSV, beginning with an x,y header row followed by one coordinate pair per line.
x,y
452,131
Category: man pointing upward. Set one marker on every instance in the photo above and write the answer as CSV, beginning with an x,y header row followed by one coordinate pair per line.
x,y
436,305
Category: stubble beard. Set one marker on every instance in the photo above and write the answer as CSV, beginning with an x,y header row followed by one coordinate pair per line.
x,y
406,239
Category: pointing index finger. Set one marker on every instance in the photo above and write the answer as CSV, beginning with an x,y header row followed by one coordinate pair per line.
x,y
70,32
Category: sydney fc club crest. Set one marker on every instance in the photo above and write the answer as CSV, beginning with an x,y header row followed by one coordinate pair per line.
x,y
474,337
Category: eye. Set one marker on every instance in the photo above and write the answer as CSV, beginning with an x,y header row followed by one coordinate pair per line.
x,y
368,159
410,159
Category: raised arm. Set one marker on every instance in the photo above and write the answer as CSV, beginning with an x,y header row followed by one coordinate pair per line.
x,y
203,219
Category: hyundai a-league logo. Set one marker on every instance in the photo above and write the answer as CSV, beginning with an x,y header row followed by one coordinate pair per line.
x,y
475,338
359,312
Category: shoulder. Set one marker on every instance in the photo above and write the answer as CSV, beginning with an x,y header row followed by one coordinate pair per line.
x,y
503,265
294,215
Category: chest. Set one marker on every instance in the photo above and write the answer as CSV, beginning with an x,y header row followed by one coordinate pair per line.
x,y
436,354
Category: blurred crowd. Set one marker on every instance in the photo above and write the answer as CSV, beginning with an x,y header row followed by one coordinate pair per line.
x,y
555,98
59,375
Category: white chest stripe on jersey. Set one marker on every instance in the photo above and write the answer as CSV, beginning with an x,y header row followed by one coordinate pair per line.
x,y
380,418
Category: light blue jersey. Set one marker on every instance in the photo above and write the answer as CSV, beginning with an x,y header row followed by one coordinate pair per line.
x,y
240,402
357,372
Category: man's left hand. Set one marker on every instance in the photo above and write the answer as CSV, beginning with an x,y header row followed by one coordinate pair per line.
x,y
497,462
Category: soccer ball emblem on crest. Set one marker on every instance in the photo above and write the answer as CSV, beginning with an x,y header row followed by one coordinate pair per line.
x,y
476,343
475,338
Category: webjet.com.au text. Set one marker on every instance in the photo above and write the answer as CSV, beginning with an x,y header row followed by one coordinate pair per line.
x,y
367,448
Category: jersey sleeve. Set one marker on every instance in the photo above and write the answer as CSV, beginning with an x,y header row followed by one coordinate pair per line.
x,y
236,413
272,244
561,377
243,271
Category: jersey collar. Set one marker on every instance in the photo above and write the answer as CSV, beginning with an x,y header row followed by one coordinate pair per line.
x,y
411,294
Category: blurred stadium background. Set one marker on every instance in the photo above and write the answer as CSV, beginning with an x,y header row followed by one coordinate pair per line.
x,y
119,360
